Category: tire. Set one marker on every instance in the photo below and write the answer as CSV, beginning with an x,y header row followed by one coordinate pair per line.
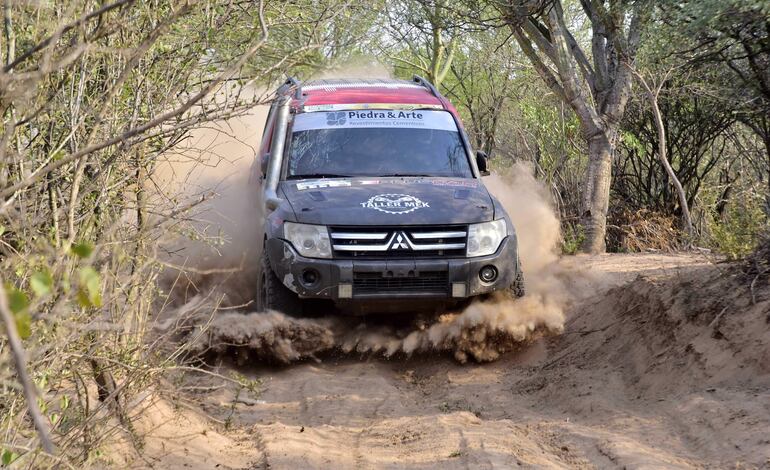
x,y
516,289
272,294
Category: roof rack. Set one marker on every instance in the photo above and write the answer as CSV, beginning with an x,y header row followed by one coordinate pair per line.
x,y
418,79
291,82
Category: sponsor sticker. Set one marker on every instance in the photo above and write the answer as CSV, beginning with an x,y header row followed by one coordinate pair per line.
x,y
376,118
336,118
455,183
394,203
320,184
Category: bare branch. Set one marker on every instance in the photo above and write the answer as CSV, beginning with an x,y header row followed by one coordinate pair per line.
x,y
545,73
34,178
50,39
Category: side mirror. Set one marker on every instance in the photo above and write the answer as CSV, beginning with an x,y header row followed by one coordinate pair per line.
x,y
265,161
481,162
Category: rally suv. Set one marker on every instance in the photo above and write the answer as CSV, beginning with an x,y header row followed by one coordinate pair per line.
x,y
373,199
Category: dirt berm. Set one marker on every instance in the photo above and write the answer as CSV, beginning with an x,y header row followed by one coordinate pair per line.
x,y
665,366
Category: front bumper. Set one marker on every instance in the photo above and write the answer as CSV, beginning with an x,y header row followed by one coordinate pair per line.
x,y
341,279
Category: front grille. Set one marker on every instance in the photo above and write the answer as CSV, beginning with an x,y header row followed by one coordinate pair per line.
x,y
429,282
399,242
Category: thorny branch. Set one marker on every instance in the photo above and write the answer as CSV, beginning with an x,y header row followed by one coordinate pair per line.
x,y
205,91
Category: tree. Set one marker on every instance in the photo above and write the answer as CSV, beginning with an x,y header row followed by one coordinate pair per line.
x,y
425,34
653,93
729,41
483,77
695,123
597,89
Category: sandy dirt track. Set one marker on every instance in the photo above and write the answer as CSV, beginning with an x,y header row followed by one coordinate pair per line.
x,y
666,366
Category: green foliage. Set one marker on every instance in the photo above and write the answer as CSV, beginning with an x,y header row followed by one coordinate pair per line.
x,y
736,233
632,141
556,130
18,303
309,36
8,457
727,42
17,300
572,238
41,283
83,249
24,324
89,288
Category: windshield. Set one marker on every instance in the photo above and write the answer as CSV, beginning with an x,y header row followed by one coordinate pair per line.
x,y
376,143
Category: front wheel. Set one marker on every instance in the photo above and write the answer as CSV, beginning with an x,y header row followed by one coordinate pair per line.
x,y
517,286
516,289
272,294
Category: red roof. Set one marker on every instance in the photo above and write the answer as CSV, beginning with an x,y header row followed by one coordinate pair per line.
x,y
354,91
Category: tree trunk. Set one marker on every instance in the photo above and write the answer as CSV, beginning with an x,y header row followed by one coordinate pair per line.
x,y
597,92
669,170
597,194
724,198
662,151
766,140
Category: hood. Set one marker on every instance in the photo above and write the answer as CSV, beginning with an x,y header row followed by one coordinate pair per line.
x,y
389,201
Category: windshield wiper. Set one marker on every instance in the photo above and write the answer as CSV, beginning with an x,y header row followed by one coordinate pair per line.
x,y
317,175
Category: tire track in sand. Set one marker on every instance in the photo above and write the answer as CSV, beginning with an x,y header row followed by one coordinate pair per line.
x,y
365,430
262,463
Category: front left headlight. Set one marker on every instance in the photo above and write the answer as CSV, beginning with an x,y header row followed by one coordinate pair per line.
x,y
311,241
485,238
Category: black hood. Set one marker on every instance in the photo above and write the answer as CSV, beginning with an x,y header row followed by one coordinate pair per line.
x,y
389,201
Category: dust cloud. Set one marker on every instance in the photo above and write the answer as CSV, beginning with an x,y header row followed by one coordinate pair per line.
x,y
214,248
211,277
356,67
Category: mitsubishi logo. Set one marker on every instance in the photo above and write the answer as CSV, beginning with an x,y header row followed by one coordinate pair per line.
x,y
400,242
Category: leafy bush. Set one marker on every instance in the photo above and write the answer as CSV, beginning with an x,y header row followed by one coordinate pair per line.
x,y
737,231
572,238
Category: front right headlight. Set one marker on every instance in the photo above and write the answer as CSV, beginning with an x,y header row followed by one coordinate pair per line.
x,y
311,241
485,238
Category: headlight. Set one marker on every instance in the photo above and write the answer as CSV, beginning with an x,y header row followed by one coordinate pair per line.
x,y
484,239
311,241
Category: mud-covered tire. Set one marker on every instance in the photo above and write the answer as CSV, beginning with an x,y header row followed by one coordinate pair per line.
x,y
272,294
516,289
